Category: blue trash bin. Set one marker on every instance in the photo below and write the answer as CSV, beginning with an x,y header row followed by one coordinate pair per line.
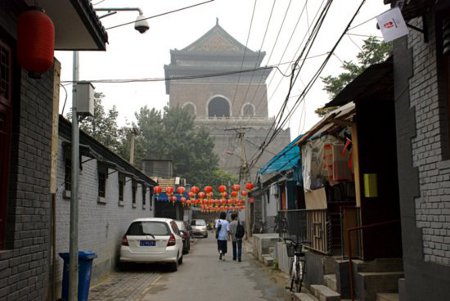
x,y
85,259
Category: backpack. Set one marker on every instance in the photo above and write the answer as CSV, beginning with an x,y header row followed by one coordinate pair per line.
x,y
218,230
240,231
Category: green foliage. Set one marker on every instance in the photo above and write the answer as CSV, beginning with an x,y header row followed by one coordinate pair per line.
x,y
102,126
373,52
173,136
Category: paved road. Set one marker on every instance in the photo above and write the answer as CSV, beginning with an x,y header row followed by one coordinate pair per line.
x,y
201,277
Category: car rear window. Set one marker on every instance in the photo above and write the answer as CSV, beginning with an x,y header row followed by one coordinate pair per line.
x,y
198,222
146,228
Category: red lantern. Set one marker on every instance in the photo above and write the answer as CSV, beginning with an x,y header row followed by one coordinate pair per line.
x,y
249,186
157,189
236,187
234,194
169,190
195,189
201,195
244,193
208,189
180,190
35,42
222,188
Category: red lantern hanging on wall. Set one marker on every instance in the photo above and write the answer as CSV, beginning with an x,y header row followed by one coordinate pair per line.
x,y
35,42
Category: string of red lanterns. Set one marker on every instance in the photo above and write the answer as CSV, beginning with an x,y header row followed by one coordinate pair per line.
x,y
205,199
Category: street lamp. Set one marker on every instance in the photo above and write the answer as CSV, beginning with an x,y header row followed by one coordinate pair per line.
x,y
141,25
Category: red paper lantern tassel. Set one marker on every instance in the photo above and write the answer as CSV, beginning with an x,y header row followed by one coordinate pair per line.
x,y
35,42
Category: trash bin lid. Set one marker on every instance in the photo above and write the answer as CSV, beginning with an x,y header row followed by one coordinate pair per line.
x,y
85,255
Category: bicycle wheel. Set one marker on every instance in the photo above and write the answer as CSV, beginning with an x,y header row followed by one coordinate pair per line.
x,y
300,274
296,281
292,274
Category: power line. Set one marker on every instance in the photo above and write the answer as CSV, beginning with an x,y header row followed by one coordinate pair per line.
x,y
162,14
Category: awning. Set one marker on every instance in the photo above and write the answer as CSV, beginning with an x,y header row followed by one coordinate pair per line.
x,y
285,160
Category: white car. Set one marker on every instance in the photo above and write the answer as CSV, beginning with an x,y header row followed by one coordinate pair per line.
x,y
150,240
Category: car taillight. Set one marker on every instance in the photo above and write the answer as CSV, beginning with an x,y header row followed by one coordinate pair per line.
x,y
124,241
171,241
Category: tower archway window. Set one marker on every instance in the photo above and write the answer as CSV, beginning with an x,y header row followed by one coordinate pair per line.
x,y
218,107
189,107
248,110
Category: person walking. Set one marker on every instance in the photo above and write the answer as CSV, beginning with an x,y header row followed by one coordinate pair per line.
x,y
236,233
222,232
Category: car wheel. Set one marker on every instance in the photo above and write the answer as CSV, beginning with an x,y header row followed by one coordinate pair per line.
x,y
122,266
206,235
174,266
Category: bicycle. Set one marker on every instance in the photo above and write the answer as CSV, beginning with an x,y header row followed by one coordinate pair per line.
x,y
297,271
280,226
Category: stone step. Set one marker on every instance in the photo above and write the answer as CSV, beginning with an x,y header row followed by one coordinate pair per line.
x,y
268,260
324,293
305,297
387,297
330,281
371,283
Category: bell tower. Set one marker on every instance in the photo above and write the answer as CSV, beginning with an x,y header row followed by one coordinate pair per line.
x,y
223,84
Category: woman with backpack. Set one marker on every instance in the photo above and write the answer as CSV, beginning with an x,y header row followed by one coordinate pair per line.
x,y
222,232
237,233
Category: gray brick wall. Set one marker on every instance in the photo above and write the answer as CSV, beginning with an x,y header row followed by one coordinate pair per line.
x,y
433,204
25,260
101,224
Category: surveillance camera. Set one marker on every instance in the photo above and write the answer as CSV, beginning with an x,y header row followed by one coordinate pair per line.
x,y
141,24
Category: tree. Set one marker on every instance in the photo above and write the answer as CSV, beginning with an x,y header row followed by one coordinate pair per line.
x,y
373,51
172,135
102,126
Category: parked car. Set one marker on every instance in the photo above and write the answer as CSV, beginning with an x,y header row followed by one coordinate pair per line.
x,y
199,228
150,240
185,235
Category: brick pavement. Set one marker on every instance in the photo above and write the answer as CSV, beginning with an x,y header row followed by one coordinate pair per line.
x,y
124,286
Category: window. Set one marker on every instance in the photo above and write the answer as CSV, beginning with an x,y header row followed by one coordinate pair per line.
x,y
144,194
133,192
248,110
67,172
5,132
102,176
189,107
121,186
218,107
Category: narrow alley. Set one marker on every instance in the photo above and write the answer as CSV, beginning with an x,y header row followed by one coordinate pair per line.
x,y
201,277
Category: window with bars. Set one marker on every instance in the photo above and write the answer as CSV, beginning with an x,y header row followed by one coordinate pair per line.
x,y
102,176
133,192
121,186
144,195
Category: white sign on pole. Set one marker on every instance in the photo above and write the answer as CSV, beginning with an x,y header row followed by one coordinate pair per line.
x,y
392,24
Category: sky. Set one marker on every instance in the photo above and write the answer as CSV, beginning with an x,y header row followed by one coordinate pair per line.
x,y
277,27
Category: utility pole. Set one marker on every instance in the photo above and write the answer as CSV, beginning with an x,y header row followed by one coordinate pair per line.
x,y
134,133
243,170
